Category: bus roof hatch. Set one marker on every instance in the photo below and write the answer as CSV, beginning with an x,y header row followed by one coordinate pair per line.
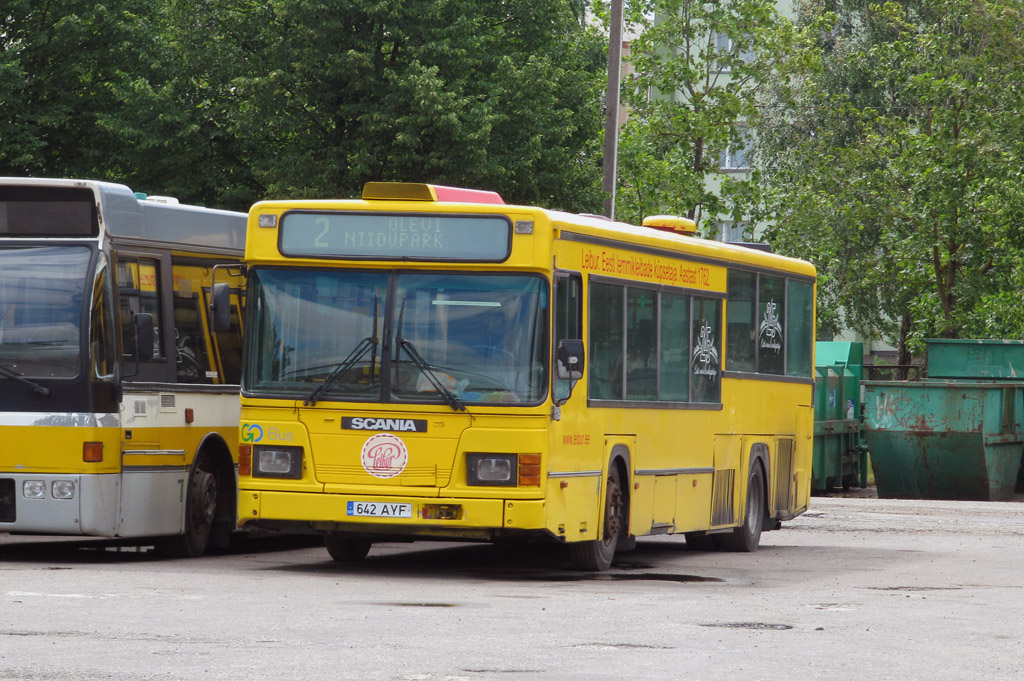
x,y
671,223
417,191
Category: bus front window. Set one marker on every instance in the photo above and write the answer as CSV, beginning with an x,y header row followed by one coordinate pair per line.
x,y
41,294
311,325
319,335
481,336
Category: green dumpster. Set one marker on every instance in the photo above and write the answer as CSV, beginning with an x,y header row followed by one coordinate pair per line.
x,y
956,434
840,455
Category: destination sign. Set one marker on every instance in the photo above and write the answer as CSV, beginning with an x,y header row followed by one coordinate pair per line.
x,y
396,236
40,211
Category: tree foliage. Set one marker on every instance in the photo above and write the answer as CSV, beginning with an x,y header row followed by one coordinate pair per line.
x,y
228,101
895,164
61,65
697,68
326,96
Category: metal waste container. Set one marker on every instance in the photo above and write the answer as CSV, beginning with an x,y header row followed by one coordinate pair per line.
x,y
956,434
840,456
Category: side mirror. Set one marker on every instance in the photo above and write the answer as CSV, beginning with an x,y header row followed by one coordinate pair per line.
x,y
142,323
570,359
220,307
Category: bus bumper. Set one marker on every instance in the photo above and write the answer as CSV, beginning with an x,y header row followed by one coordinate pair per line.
x,y
45,503
434,517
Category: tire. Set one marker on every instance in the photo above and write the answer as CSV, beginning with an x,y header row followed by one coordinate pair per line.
x,y
747,537
596,555
200,512
345,549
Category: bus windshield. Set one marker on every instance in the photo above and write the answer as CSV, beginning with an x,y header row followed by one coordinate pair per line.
x,y
41,293
457,338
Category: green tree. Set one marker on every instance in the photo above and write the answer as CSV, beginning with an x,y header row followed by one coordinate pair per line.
x,y
324,96
895,165
59,62
697,68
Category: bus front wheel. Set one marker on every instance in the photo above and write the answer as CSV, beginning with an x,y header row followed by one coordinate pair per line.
x,y
200,509
345,549
596,555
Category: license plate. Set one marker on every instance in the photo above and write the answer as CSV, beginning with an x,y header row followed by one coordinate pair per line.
x,y
379,509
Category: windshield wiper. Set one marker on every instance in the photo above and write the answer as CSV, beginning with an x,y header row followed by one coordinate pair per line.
x,y
358,352
38,389
421,364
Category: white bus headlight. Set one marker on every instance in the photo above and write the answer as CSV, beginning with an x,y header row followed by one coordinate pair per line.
x,y
34,489
63,489
498,470
277,462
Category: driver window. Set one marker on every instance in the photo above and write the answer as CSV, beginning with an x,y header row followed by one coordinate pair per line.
x,y
568,320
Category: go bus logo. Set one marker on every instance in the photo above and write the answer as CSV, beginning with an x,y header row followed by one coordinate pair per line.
x,y
254,433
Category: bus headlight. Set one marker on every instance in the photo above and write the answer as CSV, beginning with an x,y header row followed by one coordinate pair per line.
x,y
63,489
34,489
496,470
277,462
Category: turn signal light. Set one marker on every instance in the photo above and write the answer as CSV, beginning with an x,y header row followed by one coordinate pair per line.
x,y
529,470
92,452
245,459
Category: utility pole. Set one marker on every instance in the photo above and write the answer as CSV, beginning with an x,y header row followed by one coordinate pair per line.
x,y
611,125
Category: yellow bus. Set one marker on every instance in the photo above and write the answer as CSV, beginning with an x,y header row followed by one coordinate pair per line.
x,y
430,363
118,407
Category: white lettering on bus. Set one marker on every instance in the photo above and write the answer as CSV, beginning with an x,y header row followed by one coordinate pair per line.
x,y
383,424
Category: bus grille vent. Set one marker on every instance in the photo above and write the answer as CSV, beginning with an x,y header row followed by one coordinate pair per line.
x,y
721,505
167,401
784,475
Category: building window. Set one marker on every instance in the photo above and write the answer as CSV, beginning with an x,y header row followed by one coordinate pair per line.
x,y
725,45
735,157
731,231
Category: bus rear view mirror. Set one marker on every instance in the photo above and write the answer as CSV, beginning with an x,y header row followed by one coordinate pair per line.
x,y
220,307
569,359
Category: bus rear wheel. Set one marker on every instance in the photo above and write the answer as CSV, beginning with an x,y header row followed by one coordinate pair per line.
x,y
345,549
596,555
747,537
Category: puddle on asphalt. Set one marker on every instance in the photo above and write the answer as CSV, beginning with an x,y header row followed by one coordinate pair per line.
x,y
618,577
749,625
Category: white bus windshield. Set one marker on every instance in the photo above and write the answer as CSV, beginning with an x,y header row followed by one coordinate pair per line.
x,y
337,335
41,293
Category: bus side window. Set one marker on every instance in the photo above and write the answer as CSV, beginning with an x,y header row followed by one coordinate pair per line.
x,y
192,363
799,334
191,338
568,320
741,322
606,344
138,286
705,356
229,343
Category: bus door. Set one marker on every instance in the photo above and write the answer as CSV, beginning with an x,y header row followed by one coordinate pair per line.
x,y
575,467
